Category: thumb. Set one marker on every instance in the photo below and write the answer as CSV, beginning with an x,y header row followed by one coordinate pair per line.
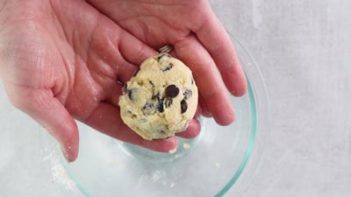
x,y
42,106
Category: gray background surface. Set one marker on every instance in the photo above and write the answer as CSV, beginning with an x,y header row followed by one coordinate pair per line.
x,y
303,49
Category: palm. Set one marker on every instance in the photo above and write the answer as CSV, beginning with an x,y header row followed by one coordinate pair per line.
x,y
199,40
66,60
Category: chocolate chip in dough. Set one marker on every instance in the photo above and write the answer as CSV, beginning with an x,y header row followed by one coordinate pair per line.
x,y
183,106
167,67
152,84
168,102
159,57
156,96
172,91
140,82
125,88
132,93
148,108
160,107
187,94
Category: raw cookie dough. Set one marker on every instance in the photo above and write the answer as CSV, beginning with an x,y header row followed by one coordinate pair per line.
x,y
160,99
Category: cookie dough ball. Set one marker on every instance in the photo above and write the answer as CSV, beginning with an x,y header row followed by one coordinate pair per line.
x,y
160,99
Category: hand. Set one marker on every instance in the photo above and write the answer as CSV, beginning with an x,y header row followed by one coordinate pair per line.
x,y
199,40
63,59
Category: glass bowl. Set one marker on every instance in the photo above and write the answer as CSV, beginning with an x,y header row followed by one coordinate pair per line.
x,y
208,165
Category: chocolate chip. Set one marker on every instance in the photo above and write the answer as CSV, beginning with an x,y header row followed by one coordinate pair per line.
x,y
156,96
124,89
168,102
172,91
183,106
192,81
159,57
148,108
152,84
131,93
187,94
141,83
160,107
167,67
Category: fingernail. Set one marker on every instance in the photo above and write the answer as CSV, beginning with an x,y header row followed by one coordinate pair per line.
x,y
65,153
173,151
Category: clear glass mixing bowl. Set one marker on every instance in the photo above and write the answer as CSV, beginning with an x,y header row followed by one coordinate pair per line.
x,y
208,165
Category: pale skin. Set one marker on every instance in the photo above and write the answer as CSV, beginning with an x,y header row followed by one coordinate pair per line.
x,y
66,60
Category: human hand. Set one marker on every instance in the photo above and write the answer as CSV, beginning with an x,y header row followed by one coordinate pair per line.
x,y
61,60
199,40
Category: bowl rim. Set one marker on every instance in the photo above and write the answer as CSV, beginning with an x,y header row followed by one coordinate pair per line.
x,y
260,121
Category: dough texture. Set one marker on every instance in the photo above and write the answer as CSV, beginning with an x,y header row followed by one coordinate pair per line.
x,y
160,99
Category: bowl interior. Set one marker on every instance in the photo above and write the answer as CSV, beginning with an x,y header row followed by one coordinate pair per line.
x,y
206,166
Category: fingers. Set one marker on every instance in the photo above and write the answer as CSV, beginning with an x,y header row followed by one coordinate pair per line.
x,y
133,49
51,114
218,43
194,126
126,71
104,56
115,93
192,131
106,118
204,108
198,112
114,50
208,79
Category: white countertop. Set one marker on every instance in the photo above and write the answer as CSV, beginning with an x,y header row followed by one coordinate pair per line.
x,y
303,49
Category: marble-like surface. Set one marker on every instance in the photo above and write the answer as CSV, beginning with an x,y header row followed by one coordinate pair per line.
x,y
303,49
